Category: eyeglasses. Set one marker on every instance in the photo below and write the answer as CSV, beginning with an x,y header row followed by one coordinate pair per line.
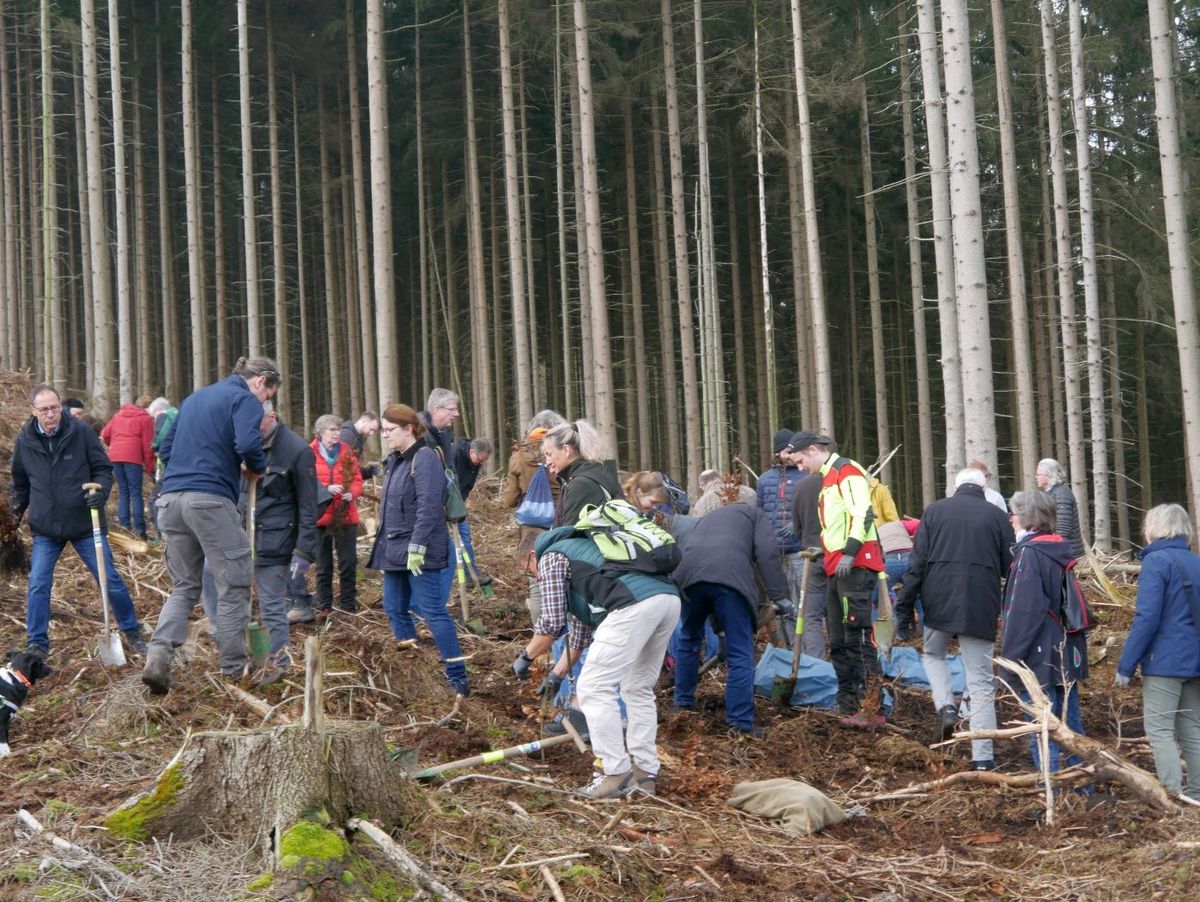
x,y
46,411
387,430
453,409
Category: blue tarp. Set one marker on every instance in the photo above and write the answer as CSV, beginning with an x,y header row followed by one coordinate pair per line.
x,y
816,684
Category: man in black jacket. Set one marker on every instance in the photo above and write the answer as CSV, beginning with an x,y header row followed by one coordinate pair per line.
x,y
806,521
53,457
355,433
962,549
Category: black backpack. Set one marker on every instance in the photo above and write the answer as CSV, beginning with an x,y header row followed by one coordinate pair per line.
x,y
1074,614
677,497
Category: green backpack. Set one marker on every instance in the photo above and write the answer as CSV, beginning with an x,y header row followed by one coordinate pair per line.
x,y
627,539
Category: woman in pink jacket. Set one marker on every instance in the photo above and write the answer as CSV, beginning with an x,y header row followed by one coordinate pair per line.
x,y
128,436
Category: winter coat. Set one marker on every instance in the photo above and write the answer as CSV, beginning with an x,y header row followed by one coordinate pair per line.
x,y
216,431
806,515
129,436
357,441
1030,633
847,518
1165,638
1067,518
438,438
963,547
727,547
48,473
522,465
585,482
345,472
410,512
883,504
775,491
285,511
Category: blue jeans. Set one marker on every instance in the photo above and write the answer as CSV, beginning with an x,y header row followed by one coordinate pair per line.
x,y
1074,720
734,618
46,552
131,513
404,595
448,572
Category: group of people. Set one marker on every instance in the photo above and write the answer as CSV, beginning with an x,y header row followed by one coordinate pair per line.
x,y
974,569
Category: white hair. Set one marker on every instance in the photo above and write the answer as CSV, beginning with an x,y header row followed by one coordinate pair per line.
x,y
1167,521
1053,470
970,476
157,406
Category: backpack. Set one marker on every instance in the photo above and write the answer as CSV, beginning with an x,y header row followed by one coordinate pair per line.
x,y
537,507
168,416
677,497
627,539
1074,614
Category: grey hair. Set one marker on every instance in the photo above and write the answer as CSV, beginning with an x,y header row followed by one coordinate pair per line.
x,y
545,419
324,421
157,406
249,367
482,445
708,477
581,437
1054,471
1167,521
970,476
439,397
1035,511
43,387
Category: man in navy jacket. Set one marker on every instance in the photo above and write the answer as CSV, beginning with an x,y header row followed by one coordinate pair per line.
x,y
216,432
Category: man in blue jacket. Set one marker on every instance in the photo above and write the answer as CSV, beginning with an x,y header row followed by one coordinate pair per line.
x,y
53,456
776,491
216,432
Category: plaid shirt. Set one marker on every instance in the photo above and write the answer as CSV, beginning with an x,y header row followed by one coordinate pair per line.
x,y
554,576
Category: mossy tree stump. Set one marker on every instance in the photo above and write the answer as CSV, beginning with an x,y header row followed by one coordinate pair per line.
x,y
254,785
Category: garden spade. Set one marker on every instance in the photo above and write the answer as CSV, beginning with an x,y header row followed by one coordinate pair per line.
x,y
111,652
784,687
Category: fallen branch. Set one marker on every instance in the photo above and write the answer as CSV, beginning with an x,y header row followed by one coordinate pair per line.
x,y
257,705
991,777
555,889
396,854
537,862
94,862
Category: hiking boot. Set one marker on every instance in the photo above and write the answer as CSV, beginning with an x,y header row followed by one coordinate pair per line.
x,y
748,732
609,786
41,651
578,721
674,708
947,720
351,608
864,721
134,640
484,578
988,764
301,615
644,781
157,674
274,670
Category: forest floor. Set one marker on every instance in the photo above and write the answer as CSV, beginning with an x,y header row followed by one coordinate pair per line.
x,y
89,738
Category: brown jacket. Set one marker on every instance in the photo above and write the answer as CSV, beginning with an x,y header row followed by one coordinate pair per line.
x,y
522,465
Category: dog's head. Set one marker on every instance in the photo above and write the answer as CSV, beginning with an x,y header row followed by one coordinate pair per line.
x,y
30,665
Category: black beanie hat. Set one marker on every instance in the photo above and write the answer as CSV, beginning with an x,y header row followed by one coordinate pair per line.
x,y
782,438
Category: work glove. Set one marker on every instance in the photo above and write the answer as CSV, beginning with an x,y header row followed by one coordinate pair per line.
x,y
415,562
299,567
844,565
550,685
1121,679
906,626
94,500
787,531
786,612
522,665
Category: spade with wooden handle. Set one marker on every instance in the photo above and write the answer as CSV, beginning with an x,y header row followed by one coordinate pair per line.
x,y
111,652
784,687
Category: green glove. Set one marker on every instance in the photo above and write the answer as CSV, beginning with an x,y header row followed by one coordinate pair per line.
x,y
415,562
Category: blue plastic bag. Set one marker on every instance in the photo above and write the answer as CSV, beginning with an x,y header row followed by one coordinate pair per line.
x,y
537,507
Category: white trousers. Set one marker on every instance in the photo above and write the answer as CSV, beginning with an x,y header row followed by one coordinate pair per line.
x,y
980,697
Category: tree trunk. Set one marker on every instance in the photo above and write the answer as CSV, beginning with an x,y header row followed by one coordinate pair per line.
x,y
125,353
1022,369
560,203
768,308
362,245
147,373
104,367
916,276
943,251
329,262
874,292
1098,437
816,281
969,253
381,206
1183,291
587,349
191,169
428,380
11,306
301,285
278,272
354,349
249,221
538,365
641,376
522,370
173,380
52,345
683,285
220,292
1064,268
666,320
801,302
1115,401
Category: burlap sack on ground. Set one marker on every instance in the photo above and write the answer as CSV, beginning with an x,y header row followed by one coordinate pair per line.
x,y
801,808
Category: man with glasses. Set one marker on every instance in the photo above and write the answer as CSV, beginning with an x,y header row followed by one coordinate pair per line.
x,y
53,457
215,434
441,410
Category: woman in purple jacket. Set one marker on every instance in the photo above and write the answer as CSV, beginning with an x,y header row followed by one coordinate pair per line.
x,y
1165,642
411,543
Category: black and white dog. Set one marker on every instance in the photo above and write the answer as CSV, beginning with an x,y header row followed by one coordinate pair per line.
x,y
23,670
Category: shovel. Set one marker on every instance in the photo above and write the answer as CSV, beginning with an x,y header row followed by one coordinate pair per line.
x,y
784,687
111,652
473,624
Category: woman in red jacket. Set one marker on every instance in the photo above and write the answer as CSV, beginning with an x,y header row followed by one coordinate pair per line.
x,y
128,436
339,474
